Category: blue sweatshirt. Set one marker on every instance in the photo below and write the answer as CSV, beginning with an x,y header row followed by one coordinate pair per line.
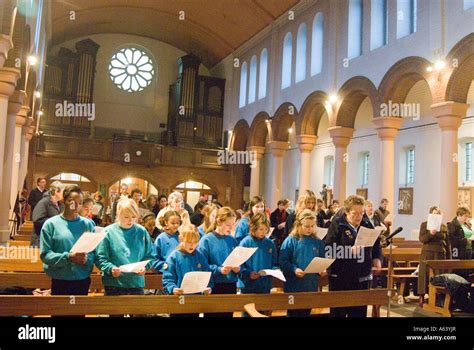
x,y
216,249
178,264
264,258
58,235
120,247
163,247
242,230
298,253
201,231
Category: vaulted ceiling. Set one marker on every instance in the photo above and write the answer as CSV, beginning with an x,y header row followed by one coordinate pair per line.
x,y
211,29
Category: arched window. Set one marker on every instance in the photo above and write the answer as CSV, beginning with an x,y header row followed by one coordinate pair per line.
x,y
287,61
253,79
262,74
300,74
317,44
243,85
378,24
354,40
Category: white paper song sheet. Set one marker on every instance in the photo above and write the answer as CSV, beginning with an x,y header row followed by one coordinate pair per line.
x,y
268,235
195,282
275,273
238,256
321,232
434,222
318,265
88,242
366,237
134,267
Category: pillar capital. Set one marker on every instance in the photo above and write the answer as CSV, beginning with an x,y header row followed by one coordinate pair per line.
x,y
259,151
8,79
278,148
449,114
15,102
387,127
341,135
6,44
306,142
22,116
31,132
26,127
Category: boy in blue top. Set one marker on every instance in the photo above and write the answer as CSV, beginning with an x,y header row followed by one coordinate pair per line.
x,y
297,251
126,242
167,241
265,257
70,272
216,247
257,205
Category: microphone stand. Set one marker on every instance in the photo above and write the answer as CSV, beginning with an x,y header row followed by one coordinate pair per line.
x,y
389,276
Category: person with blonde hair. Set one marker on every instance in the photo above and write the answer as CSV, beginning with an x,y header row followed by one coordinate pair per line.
x,y
185,258
216,246
209,212
126,242
297,251
305,201
265,257
352,270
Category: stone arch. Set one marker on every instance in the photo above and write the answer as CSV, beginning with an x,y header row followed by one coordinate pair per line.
x,y
462,54
401,77
351,95
240,136
284,118
259,130
311,112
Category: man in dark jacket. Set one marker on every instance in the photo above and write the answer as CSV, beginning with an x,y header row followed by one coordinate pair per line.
x,y
36,194
278,221
46,208
352,269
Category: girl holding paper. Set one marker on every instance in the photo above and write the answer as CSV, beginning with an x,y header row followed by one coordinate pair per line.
x,y
297,251
168,240
435,247
250,279
216,246
185,259
126,242
257,205
69,272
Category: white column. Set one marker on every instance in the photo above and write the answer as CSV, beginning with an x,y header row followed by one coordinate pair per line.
x,y
255,170
278,151
20,120
8,79
26,135
387,129
341,136
306,144
449,116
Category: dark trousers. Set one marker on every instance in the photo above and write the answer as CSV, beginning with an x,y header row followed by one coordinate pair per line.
x,y
223,288
113,291
338,284
63,287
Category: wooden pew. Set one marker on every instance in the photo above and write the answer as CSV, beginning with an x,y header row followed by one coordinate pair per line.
x,y
170,304
43,281
443,266
13,243
401,256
